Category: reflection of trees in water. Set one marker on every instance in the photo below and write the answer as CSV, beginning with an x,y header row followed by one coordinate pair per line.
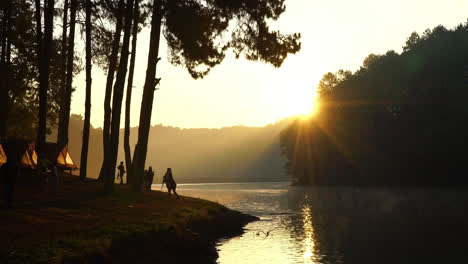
x,y
379,225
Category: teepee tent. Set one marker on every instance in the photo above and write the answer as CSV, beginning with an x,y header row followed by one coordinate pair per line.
x,y
3,157
64,160
29,158
63,157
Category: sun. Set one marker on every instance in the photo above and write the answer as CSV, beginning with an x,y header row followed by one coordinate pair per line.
x,y
300,103
294,95
309,112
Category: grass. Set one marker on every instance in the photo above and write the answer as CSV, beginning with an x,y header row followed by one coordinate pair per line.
x,y
80,221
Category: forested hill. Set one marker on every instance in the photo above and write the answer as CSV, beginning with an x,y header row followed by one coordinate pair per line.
x,y
231,154
401,119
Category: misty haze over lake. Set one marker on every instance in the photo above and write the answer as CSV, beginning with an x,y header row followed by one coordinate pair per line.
x,y
231,154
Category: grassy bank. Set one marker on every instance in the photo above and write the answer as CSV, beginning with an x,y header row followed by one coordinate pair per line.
x,y
81,225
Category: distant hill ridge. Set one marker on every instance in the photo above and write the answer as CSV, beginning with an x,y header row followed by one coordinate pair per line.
x,y
229,154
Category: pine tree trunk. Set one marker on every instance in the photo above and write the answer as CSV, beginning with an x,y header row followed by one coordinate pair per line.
x,y
67,96
128,157
109,83
109,176
63,78
85,142
5,67
44,47
40,58
139,155
4,34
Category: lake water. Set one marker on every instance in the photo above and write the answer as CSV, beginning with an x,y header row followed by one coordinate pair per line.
x,y
342,224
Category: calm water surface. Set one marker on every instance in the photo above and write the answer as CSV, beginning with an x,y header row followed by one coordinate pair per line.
x,y
341,225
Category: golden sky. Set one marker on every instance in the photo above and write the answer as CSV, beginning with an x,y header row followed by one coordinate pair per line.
x,y
336,34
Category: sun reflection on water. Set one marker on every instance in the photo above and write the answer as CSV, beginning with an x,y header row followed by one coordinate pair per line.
x,y
309,244
284,235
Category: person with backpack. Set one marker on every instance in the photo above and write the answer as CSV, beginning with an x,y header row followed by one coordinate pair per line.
x,y
171,185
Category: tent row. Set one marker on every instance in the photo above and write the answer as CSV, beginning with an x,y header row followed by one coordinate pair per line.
x,y
25,153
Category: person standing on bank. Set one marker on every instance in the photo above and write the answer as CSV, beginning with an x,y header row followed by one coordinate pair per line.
x,y
121,169
150,177
171,185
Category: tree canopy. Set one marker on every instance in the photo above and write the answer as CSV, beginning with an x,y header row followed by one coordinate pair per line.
x,y
199,32
399,119
23,90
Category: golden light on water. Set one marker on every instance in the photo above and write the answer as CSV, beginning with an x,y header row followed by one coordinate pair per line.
x,y
309,244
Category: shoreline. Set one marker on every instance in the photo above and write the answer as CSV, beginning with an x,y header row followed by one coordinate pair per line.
x,y
79,224
195,245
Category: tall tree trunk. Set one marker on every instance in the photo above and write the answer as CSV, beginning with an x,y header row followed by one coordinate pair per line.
x,y
139,155
4,34
5,67
44,62
109,83
85,142
38,32
109,176
128,157
63,84
63,138
40,58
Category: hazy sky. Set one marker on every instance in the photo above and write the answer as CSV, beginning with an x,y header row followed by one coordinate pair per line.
x,y
336,34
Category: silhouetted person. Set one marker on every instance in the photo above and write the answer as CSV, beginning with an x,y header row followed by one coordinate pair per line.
x,y
150,176
43,165
171,185
121,169
53,181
